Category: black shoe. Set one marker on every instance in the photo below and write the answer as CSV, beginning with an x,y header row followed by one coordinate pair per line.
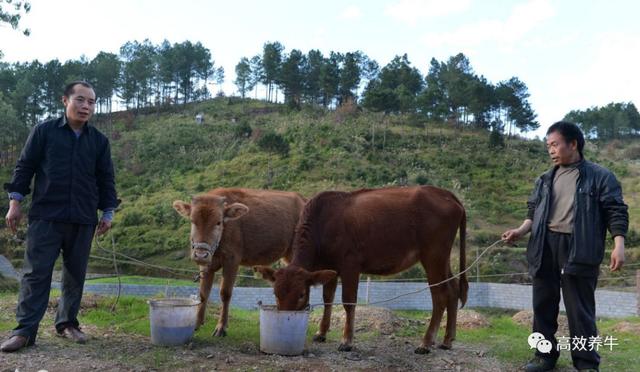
x,y
539,364
74,334
15,343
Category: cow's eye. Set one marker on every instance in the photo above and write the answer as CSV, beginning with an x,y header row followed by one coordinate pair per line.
x,y
302,296
218,224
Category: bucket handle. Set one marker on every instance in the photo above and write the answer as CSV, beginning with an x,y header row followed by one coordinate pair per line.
x,y
306,308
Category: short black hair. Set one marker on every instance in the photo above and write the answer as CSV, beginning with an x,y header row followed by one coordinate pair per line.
x,y
569,132
69,88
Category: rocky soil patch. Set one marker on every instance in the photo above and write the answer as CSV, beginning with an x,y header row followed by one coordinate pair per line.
x,y
525,318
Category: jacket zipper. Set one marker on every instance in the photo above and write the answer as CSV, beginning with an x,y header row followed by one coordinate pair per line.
x,y
575,213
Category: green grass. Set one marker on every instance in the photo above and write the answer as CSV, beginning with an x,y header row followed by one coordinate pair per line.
x,y
144,280
7,318
8,284
507,341
503,339
130,316
8,301
624,355
243,327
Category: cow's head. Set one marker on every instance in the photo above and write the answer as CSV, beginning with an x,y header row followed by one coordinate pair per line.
x,y
292,284
208,214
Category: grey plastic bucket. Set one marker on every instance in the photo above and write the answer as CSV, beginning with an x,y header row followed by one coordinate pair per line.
x,y
282,332
173,320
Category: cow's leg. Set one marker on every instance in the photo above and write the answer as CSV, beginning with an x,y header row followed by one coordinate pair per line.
x,y
439,301
452,314
229,273
349,297
435,273
207,273
328,293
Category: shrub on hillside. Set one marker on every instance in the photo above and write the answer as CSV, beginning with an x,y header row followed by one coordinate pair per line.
x,y
422,179
483,238
133,218
8,284
273,142
633,238
304,165
346,110
162,215
242,130
496,139
633,152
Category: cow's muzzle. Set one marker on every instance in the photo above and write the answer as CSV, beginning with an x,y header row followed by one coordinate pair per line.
x,y
201,251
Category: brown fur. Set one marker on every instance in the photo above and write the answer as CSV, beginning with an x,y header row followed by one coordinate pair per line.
x,y
254,227
382,232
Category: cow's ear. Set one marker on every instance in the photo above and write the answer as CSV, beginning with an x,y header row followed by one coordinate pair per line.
x,y
266,272
183,208
234,211
322,277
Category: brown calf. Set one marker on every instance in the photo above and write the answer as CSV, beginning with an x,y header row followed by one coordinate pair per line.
x,y
231,227
381,232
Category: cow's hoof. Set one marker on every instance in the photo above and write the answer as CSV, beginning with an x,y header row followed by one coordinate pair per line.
x,y
422,350
319,338
219,332
345,347
444,346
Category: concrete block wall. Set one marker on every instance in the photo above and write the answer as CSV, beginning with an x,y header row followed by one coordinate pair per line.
x,y
616,304
507,296
6,269
496,295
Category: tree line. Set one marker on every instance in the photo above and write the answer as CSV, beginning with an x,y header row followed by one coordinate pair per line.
x,y
141,75
613,121
310,78
144,74
451,91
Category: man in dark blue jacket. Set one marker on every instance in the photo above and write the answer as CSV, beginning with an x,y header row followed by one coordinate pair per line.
x,y
569,212
74,177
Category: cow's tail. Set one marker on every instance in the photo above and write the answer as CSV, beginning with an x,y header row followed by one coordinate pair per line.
x,y
463,284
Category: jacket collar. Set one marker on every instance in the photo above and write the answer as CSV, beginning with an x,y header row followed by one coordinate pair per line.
x,y
548,175
63,121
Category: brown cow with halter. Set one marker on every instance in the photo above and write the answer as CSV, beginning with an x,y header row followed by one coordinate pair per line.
x,y
381,232
232,227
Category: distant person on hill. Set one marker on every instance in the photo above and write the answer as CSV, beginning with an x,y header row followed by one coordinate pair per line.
x,y
74,177
570,210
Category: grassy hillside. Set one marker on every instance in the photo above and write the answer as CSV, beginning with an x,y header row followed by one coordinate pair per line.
x,y
161,156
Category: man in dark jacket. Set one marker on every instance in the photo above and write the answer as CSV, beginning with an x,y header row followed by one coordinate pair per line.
x,y
569,212
74,177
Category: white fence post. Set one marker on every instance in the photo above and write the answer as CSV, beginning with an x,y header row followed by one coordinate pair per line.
x,y
368,284
638,290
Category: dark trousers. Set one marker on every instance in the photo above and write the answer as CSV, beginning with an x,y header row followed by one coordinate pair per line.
x,y
578,293
45,241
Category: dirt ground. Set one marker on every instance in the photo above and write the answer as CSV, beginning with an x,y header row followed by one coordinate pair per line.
x,y
109,350
122,353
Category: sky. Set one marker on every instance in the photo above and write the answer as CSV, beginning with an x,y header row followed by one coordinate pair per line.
x,y
572,54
